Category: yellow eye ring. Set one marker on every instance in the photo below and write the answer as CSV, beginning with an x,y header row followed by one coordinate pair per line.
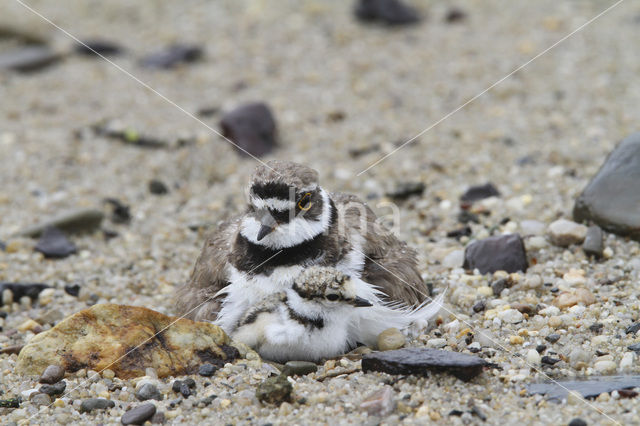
x,y
308,205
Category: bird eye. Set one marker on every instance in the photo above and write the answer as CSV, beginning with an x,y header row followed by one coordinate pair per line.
x,y
332,297
305,202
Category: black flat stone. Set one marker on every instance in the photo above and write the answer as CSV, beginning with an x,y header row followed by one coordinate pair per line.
x,y
389,12
251,127
421,361
589,388
32,290
500,253
54,244
480,192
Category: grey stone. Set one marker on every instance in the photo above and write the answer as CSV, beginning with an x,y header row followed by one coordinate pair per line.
x,y
52,374
207,370
480,192
421,361
148,391
500,253
55,389
593,243
28,58
91,404
552,338
589,388
299,368
139,414
53,244
379,403
274,390
389,12
39,399
612,197
75,222
252,128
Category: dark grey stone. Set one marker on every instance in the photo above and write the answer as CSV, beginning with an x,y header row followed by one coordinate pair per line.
x,y
633,328
480,192
157,187
577,422
552,338
421,361
405,190
274,390
634,347
612,197
54,244
389,12
207,370
588,388
299,368
593,244
103,47
498,285
54,389
252,128
500,253
139,414
91,404
19,290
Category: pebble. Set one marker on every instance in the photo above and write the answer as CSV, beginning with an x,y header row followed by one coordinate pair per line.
x,y
532,227
173,56
511,316
138,415
627,361
391,339
455,259
389,12
593,244
207,370
605,366
54,389
498,285
379,403
28,58
74,222
577,422
39,399
406,190
478,306
251,127
274,390
577,356
299,368
437,343
567,299
13,292
148,391
479,192
91,404
533,357
29,325
157,187
633,328
500,253
564,233
54,244
103,47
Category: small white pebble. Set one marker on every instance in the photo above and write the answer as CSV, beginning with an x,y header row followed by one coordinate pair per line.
x,y
533,357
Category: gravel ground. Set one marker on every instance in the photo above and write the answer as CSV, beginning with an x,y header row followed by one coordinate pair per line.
x,y
539,136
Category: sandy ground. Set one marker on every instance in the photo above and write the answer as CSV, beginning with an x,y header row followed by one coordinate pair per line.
x,y
538,136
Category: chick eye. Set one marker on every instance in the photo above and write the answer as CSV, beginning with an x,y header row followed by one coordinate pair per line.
x,y
305,202
332,297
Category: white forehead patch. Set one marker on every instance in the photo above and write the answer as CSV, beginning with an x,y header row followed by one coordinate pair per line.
x,y
272,203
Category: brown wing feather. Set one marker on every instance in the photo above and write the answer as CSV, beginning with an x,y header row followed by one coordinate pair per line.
x,y
389,262
195,298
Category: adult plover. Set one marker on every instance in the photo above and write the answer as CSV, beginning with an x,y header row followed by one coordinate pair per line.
x,y
318,317
292,223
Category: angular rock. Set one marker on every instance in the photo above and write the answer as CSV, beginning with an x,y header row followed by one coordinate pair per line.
x,y
39,399
53,390
91,404
564,233
406,190
251,127
127,340
421,361
593,242
207,370
390,12
500,253
103,47
28,58
588,388
148,391
75,222
552,338
54,244
139,414
479,192
19,290
52,374
391,339
173,56
299,368
380,403
72,290
612,197
274,390
634,347
633,328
